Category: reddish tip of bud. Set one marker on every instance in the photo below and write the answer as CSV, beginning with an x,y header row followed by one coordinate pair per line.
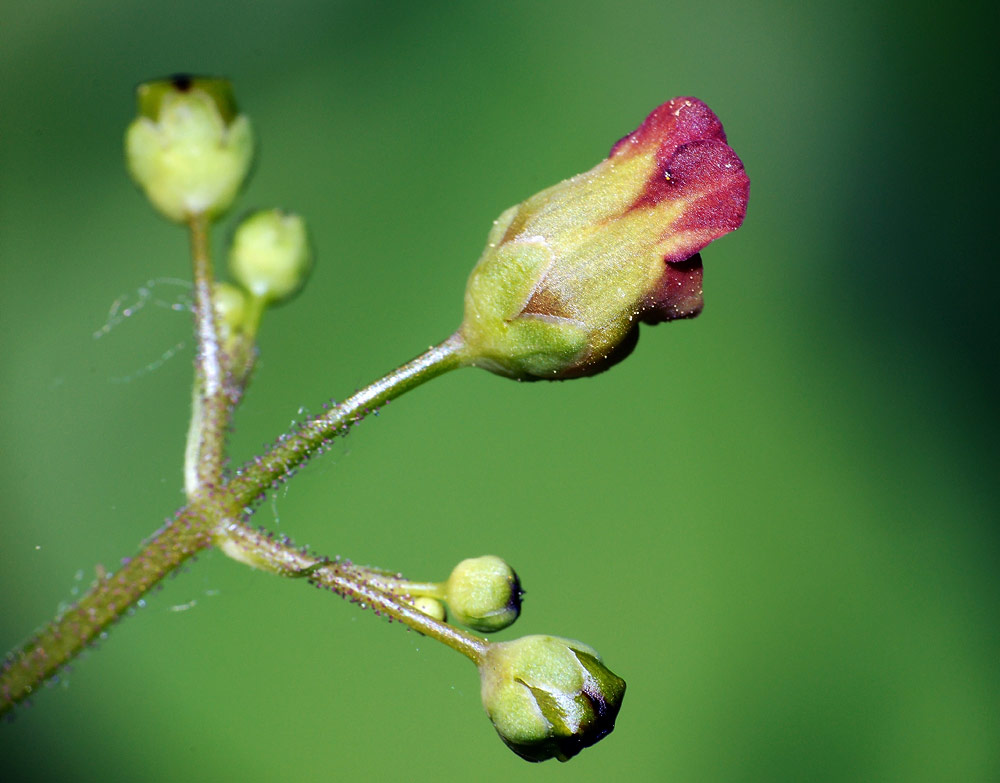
x,y
676,122
679,127
696,166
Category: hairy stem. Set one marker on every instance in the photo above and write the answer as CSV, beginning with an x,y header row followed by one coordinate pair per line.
x,y
38,659
348,581
289,452
397,585
25,668
208,520
212,406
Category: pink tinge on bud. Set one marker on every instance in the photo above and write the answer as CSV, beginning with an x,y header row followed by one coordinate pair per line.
x,y
677,293
692,160
668,126
709,176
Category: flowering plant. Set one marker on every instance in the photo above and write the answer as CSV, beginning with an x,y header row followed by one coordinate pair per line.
x,y
558,293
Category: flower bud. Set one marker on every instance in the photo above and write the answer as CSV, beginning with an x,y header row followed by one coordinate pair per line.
x,y
567,275
188,149
484,593
270,254
549,697
230,310
432,607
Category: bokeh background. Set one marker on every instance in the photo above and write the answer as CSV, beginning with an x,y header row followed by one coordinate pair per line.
x,y
777,521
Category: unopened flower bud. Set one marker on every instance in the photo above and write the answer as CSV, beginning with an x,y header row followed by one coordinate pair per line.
x,y
567,275
270,255
549,697
430,606
189,149
230,310
484,593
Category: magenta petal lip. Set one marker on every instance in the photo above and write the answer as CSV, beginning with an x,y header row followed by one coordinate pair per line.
x,y
676,122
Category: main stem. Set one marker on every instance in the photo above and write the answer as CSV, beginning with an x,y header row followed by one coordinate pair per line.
x,y
24,669
210,408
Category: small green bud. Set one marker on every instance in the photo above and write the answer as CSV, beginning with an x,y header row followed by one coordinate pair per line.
x,y
484,593
230,311
432,607
270,255
188,149
549,697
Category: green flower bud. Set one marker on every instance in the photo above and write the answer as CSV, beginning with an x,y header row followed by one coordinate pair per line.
x,y
430,606
270,254
188,149
567,275
230,311
549,697
484,593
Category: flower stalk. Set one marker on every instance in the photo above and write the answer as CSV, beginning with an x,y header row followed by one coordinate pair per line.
x,y
314,434
210,407
359,585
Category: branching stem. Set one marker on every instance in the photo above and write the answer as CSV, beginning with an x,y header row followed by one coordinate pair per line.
x,y
350,582
210,518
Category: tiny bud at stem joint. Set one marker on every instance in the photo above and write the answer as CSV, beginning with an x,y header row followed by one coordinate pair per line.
x,y
484,594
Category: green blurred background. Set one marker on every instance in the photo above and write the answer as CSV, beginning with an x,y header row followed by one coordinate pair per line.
x,y
778,521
